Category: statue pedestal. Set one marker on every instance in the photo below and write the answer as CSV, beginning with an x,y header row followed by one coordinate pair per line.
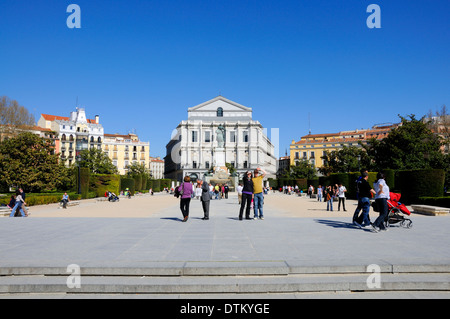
x,y
219,157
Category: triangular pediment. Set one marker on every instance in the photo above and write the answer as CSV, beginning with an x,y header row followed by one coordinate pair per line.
x,y
220,101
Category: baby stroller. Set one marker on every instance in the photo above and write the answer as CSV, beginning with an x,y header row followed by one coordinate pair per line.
x,y
397,212
113,197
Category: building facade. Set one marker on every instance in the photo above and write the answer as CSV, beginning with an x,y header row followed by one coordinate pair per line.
x,y
218,126
156,167
124,150
75,133
312,147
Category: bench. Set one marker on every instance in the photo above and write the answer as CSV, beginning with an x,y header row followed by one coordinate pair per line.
x,y
71,203
430,210
5,211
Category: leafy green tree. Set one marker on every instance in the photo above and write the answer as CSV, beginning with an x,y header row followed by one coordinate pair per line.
x,y
29,161
97,162
302,169
135,169
344,160
410,146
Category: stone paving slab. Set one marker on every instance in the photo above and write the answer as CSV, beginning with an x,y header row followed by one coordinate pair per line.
x,y
296,235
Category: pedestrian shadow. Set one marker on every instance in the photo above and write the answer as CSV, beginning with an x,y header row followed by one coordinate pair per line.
x,y
336,223
175,219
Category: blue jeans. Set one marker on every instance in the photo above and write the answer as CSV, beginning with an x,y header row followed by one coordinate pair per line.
x,y
384,210
258,204
17,206
330,204
365,204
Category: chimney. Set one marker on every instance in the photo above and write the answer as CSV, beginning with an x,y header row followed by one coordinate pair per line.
x,y
97,119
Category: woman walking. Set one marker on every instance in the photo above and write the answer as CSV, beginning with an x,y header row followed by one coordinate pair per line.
x,y
247,194
186,189
381,197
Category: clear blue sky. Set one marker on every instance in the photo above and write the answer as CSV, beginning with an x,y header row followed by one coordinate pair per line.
x,y
141,64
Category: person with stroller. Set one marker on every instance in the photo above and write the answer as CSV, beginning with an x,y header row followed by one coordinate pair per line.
x,y
381,198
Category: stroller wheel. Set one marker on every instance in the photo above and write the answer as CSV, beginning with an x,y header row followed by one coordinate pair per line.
x,y
407,223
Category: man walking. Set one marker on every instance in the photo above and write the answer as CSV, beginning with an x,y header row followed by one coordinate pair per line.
x,y
205,199
363,201
258,197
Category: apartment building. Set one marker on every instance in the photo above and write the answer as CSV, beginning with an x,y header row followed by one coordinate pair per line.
x,y
124,150
312,147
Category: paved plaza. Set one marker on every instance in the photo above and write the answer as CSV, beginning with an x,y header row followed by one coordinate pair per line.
x,y
146,231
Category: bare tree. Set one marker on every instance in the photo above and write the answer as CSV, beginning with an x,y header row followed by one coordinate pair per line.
x,y
14,116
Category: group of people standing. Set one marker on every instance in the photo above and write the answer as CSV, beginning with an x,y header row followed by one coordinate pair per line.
x,y
329,193
252,189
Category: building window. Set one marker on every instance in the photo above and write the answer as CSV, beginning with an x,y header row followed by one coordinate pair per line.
x,y
194,136
245,136
245,164
194,164
207,164
232,136
220,112
207,137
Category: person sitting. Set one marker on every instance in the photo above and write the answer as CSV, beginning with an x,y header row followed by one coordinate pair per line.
x,y
65,200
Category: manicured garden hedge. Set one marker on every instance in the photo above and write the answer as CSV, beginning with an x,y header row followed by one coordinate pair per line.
x,y
434,201
84,181
41,199
100,183
127,183
420,183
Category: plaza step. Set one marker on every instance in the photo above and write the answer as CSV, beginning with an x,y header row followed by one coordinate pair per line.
x,y
119,281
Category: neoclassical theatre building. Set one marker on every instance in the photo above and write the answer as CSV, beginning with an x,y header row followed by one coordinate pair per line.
x,y
216,132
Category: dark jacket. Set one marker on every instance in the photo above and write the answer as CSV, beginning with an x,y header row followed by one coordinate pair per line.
x,y
205,192
248,185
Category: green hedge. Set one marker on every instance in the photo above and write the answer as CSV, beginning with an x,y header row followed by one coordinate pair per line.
x,y
435,201
137,182
165,182
100,183
127,183
414,184
41,199
84,180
